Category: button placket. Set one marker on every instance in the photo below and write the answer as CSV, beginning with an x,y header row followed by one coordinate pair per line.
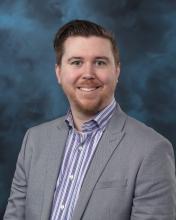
x,y
82,139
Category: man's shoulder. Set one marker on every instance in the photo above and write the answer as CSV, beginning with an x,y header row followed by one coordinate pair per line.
x,y
135,129
143,137
137,134
140,140
48,125
141,129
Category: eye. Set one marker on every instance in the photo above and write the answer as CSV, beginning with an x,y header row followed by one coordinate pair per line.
x,y
76,62
100,63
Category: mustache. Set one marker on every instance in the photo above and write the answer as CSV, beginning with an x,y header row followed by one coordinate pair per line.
x,y
89,83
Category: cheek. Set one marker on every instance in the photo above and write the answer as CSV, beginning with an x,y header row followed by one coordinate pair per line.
x,y
108,79
67,78
108,75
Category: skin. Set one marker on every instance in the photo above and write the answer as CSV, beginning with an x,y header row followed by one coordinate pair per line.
x,y
88,75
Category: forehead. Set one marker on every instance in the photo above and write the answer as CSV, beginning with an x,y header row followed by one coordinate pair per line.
x,y
87,46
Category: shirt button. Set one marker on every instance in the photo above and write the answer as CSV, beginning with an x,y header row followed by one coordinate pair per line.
x,y
62,207
80,148
71,177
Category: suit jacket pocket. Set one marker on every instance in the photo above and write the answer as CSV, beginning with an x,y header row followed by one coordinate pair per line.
x,y
116,183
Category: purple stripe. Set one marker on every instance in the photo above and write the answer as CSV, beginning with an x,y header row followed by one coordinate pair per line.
x,y
77,162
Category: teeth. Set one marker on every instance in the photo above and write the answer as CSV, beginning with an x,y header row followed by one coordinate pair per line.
x,y
87,89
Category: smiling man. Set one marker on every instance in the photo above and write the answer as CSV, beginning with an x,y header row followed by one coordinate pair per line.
x,y
95,163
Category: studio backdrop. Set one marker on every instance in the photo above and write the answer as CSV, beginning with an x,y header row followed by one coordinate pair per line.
x,y
29,93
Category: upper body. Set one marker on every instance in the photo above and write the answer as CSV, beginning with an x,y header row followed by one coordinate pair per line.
x,y
131,173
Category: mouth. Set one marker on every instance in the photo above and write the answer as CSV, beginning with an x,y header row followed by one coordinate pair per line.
x,y
85,89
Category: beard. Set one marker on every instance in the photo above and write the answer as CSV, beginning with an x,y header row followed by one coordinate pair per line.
x,y
88,107
89,104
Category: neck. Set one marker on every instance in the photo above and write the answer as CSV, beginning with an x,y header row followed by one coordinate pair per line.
x,y
80,118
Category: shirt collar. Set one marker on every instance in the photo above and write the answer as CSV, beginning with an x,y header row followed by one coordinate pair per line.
x,y
98,122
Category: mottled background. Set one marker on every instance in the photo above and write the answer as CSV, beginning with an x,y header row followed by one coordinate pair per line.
x,y
29,94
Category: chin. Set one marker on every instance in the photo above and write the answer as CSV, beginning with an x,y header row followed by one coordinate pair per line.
x,y
88,108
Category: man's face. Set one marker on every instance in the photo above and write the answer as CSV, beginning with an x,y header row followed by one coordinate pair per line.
x,y
88,74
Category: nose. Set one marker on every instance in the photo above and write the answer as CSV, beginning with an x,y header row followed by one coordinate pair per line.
x,y
88,72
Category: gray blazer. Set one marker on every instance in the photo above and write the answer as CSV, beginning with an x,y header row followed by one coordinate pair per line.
x,y
131,176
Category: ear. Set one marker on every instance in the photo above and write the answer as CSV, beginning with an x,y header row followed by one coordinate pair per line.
x,y
118,70
57,71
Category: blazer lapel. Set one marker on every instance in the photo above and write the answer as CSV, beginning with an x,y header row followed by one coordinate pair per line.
x,y
56,149
108,143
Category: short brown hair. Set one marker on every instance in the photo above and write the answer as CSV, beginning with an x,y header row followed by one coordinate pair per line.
x,y
82,28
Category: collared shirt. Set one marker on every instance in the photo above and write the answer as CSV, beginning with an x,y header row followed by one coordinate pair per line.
x,y
79,150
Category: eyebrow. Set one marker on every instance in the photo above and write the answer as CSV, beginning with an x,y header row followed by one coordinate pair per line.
x,y
74,58
102,58
97,58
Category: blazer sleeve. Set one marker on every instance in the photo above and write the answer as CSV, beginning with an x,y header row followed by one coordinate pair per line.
x,y
15,209
155,191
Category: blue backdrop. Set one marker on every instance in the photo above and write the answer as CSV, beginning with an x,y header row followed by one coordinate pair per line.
x,y
29,93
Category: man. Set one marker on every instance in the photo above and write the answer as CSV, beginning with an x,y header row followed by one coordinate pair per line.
x,y
95,163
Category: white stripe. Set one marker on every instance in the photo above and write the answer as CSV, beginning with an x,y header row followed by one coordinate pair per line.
x,y
81,164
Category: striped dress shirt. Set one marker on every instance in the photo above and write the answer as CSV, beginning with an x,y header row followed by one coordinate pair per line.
x,y
79,150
